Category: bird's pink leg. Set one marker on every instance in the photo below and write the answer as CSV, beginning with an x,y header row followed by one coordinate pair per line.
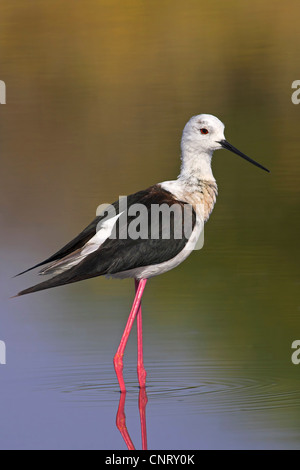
x,y
140,364
118,359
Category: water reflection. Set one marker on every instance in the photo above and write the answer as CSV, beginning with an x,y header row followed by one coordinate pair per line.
x,y
121,419
235,391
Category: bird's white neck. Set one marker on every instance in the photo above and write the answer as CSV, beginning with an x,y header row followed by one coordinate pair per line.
x,y
195,165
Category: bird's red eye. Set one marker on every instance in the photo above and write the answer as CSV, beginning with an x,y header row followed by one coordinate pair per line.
x,y
204,131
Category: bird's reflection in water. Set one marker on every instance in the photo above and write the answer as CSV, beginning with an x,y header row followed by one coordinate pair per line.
x,y
121,419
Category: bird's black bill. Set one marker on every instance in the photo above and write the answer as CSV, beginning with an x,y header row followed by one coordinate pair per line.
x,y
228,146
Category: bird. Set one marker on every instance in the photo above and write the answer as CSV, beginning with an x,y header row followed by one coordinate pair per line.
x,y
115,245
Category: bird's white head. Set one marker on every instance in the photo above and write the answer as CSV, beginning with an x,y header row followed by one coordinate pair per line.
x,y
202,135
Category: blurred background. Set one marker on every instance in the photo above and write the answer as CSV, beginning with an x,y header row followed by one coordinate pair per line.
x,y
98,92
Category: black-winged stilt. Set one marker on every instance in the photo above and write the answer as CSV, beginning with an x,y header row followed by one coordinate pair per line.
x,y
100,249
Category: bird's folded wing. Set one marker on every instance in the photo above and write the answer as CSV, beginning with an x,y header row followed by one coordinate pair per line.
x,y
101,255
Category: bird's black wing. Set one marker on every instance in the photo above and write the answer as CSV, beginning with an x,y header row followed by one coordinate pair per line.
x,y
120,254
83,237
79,241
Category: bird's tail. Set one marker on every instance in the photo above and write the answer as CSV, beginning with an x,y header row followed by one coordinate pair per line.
x,y
59,280
85,269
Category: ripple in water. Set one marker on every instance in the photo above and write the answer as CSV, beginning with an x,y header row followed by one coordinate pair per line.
x,y
209,388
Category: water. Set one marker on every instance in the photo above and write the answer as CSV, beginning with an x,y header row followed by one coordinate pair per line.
x,y
207,387
96,103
